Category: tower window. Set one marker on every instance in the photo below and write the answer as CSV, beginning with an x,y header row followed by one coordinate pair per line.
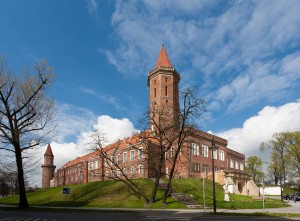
x,y
154,92
154,81
166,90
166,79
166,101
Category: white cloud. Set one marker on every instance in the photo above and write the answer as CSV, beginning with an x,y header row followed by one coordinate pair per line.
x,y
262,126
244,54
72,121
81,128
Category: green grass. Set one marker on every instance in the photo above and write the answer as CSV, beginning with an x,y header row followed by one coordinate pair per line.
x,y
194,188
112,194
105,194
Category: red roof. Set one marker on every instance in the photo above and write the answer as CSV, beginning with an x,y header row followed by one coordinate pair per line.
x,y
163,59
48,151
79,159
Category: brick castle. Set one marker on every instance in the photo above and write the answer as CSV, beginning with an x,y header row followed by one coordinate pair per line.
x,y
131,157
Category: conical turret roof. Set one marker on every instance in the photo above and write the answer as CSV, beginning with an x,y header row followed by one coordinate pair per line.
x,y
48,151
163,59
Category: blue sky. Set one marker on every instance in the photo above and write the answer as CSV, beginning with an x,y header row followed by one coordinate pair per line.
x,y
244,56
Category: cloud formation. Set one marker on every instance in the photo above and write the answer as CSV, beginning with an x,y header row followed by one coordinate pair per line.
x,y
233,47
261,127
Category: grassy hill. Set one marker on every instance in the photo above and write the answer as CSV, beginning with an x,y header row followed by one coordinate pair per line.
x,y
112,194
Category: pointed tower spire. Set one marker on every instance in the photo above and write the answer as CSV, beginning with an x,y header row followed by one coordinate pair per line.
x,y
163,59
48,151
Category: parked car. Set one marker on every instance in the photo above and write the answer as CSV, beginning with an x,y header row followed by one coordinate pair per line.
x,y
296,197
288,196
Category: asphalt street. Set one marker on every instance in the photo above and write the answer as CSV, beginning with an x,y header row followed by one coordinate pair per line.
x,y
144,214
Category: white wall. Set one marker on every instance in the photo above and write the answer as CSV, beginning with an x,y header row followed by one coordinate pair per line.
x,y
270,190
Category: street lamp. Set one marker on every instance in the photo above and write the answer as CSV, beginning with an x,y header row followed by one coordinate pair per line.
x,y
213,148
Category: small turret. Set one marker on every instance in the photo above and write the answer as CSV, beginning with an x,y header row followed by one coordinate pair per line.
x,y
48,168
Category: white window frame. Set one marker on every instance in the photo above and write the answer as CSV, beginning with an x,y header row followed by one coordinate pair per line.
x,y
132,170
195,148
231,163
236,165
112,160
221,155
140,153
205,151
196,167
132,155
140,168
124,157
215,154
241,166
118,158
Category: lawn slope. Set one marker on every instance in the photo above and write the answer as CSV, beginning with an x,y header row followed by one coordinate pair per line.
x,y
113,194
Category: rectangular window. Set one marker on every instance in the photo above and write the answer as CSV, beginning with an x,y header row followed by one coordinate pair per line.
x,y
118,159
118,172
125,170
215,154
221,155
131,154
196,167
204,151
236,165
166,91
124,157
154,92
195,148
140,153
231,164
205,168
241,166
111,160
132,170
140,169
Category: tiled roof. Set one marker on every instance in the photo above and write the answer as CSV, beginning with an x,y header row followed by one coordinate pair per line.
x,y
79,159
163,59
48,151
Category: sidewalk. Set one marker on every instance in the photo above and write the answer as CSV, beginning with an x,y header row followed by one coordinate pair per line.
x,y
293,208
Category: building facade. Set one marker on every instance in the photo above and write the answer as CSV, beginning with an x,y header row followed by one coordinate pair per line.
x,y
136,157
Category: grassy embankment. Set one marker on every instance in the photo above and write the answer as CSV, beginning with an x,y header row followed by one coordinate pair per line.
x,y
112,194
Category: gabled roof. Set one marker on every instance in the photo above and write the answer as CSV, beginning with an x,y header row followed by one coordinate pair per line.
x,y
48,151
79,159
163,59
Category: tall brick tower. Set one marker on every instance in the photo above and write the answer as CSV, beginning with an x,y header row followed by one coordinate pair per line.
x,y
163,83
48,167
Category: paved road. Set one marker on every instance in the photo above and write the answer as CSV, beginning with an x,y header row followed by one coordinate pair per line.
x,y
97,216
142,214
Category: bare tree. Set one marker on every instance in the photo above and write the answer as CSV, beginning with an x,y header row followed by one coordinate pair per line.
x,y
191,111
26,113
165,135
115,168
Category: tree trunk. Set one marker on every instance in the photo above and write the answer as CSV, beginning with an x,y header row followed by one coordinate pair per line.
x,y
23,203
157,179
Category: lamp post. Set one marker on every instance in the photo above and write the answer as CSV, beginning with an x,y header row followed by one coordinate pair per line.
x,y
213,148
